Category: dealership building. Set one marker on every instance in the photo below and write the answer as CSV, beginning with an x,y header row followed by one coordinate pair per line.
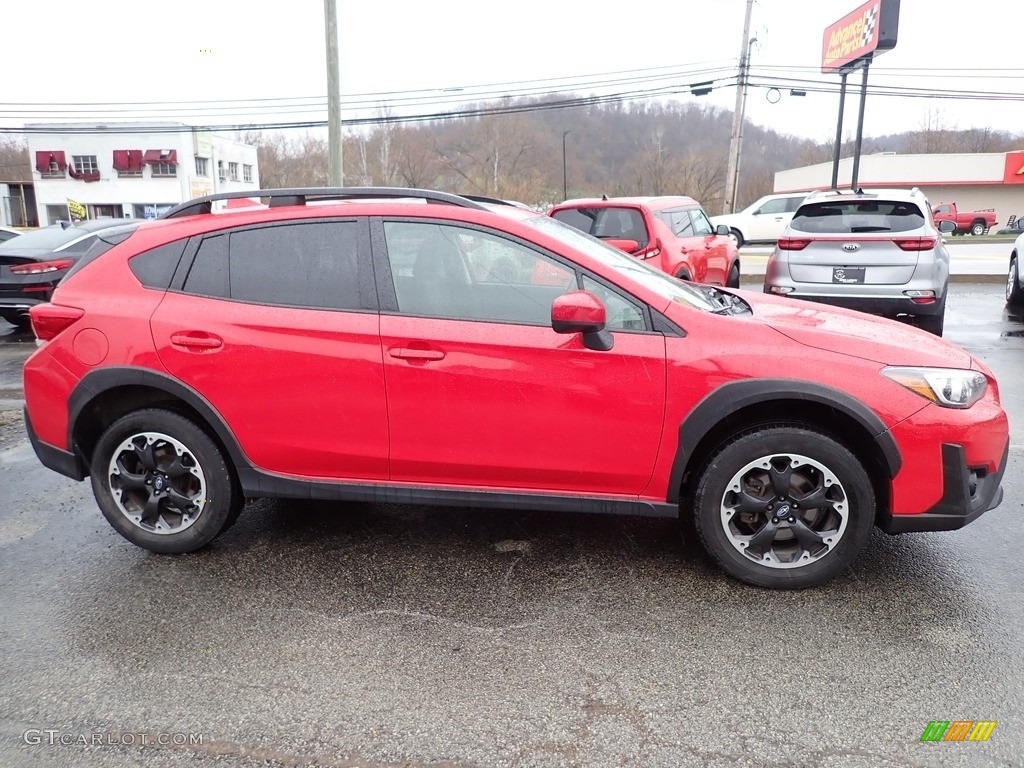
x,y
973,181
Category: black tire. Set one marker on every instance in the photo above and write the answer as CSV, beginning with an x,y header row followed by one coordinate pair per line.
x,y
737,237
782,466
932,323
978,228
1014,292
17,319
733,281
682,274
197,496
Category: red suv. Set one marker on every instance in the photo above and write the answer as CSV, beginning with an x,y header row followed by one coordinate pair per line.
x,y
413,346
672,234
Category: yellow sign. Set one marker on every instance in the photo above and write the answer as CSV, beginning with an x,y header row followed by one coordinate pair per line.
x,y
76,210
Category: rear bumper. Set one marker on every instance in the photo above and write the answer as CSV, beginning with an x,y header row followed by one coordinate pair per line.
x,y
966,496
875,306
67,463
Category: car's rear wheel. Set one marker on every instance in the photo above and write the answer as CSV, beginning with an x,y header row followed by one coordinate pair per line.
x,y
932,323
978,228
1014,292
733,280
783,506
162,483
17,319
737,237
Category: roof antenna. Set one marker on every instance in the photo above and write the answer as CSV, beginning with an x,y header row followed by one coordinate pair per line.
x,y
604,197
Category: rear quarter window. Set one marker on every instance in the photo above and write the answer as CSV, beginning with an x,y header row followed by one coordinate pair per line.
x,y
854,216
155,268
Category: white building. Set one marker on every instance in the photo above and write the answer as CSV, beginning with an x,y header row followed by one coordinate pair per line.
x,y
974,181
132,170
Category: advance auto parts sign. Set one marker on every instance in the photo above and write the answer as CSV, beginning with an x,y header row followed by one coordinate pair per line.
x,y
859,35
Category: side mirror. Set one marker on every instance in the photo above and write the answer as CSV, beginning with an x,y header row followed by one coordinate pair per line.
x,y
582,312
722,230
947,226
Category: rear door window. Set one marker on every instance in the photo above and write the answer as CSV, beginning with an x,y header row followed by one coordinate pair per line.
x,y
308,264
857,216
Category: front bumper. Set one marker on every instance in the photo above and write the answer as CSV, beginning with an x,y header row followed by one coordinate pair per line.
x,y
966,495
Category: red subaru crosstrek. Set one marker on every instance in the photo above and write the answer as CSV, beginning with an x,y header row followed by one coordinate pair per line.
x,y
672,234
413,346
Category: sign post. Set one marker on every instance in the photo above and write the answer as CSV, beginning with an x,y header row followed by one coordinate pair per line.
x,y
851,44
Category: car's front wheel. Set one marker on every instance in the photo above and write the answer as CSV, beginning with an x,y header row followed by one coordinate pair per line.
x,y
733,280
783,506
1014,292
162,483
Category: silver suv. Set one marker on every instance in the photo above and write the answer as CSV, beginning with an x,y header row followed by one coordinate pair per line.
x,y
878,252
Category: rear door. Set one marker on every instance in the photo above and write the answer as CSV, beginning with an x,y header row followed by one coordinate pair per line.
x,y
276,327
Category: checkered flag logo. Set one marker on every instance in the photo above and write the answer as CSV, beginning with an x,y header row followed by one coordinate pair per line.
x,y
870,20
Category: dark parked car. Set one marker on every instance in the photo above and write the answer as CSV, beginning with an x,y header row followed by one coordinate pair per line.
x,y
6,233
32,264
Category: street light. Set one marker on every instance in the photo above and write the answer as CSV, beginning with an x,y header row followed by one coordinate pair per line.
x,y
565,175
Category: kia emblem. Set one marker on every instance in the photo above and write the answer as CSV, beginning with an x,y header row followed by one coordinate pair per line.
x,y
850,247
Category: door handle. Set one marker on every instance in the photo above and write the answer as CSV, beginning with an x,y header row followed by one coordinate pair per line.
x,y
197,341
417,355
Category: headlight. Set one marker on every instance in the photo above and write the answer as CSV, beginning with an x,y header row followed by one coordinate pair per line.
x,y
948,387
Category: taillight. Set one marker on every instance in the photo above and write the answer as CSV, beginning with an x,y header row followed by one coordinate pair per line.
x,y
41,267
793,243
915,243
48,320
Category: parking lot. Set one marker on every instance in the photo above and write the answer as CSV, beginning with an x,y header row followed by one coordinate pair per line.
x,y
365,635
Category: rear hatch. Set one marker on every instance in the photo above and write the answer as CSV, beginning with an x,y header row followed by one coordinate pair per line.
x,y
860,241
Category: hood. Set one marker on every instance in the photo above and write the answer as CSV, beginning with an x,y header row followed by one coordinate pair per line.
x,y
856,334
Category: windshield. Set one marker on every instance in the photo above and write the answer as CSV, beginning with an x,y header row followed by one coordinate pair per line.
x,y
667,287
47,239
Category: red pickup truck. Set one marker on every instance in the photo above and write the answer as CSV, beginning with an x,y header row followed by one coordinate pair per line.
x,y
975,222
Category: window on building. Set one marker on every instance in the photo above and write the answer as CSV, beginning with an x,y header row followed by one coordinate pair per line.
x,y
84,168
128,162
247,173
163,162
233,171
164,169
85,163
220,170
51,163
202,166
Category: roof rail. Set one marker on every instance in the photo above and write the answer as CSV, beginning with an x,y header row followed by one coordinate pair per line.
x,y
300,196
488,200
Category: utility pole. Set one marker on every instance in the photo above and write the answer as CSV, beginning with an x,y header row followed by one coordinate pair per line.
x,y
733,173
334,128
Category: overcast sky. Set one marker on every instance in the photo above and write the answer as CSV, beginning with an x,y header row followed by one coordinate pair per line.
x,y
63,58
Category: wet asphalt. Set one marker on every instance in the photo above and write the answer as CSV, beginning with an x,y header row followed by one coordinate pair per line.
x,y
362,635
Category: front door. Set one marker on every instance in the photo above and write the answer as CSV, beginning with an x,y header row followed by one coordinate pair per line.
x,y
482,392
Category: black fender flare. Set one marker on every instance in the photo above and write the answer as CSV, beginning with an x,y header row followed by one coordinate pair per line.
x,y
736,395
96,383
